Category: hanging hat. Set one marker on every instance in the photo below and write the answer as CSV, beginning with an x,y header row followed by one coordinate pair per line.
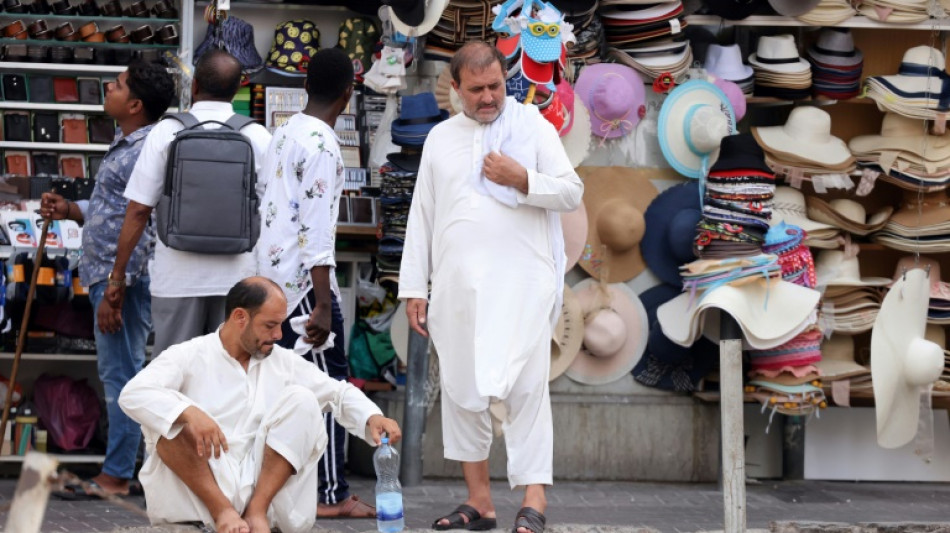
x,y
939,289
615,333
665,364
358,37
574,227
295,42
576,142
807,133
237,38
793,8
614,97
836,268
568,334
615,199
693,121
414,18
671,222
848,215
418,114
837,359
446,96
735,96
733,9
902,360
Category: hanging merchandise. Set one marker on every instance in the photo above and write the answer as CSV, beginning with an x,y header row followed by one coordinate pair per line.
x,y
295,42
671,221
614,97
358,37
694,119
237,38
414,18
568,334
938,312
388,73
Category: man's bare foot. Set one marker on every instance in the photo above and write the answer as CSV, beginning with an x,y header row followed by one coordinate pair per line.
x,y
257,521
111,484
485,509
229,521
534,498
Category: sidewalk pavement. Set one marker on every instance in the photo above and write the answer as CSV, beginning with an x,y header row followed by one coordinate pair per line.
x,y
606,507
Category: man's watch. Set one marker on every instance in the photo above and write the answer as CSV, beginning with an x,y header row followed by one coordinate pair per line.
x,y
120,283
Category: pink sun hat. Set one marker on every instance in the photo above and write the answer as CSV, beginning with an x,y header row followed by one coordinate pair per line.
x,y
614,96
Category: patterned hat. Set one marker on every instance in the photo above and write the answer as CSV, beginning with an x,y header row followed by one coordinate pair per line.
x,y
358,37
237,37
295,42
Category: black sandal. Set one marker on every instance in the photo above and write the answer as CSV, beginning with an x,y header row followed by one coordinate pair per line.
x,y
456,520
530,519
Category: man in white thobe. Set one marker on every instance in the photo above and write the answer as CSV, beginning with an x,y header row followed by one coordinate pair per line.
x,y
233,424
484,229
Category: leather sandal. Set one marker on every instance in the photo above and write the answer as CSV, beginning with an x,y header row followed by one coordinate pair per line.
x,y
530,519
457,520
351,507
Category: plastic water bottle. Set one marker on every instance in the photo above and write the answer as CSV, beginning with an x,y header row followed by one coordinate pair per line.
x,y
389,518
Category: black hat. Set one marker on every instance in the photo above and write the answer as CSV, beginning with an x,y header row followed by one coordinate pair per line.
x,y
733,9
410,12
740,152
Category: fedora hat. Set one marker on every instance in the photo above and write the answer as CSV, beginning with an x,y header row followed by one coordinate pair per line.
x,y
574,227
807,133
902,359
666,365
848,215
421,15
616,199
778,53
615,332
418,114
837,359
837,268
614,97
835,46
903,134
793,8
694,119
568,334
576,142
670,228
726,62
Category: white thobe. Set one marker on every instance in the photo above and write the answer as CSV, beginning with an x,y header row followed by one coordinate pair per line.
x,y
277,401
491,266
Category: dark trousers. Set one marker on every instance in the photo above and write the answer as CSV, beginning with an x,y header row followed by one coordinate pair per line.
x,y
333,486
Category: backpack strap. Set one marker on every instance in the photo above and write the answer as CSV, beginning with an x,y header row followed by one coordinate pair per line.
x,y
237,121
187,119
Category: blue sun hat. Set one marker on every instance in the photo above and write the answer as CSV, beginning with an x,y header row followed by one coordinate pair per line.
x,y
418,115
671,222
694,119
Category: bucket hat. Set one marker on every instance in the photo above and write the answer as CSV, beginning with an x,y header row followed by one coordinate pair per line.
x,y
295,42
615,332
693,120
615,199
614,97
671,222
237,38
902,359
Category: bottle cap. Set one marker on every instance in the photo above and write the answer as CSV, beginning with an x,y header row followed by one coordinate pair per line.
x,y
385,440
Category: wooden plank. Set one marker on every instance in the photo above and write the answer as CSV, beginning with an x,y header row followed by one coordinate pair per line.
x,y
733,431
32,493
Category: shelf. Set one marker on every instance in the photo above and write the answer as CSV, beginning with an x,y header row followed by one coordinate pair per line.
x,y
63,357
85,18
58,147
238,6
61,457
60,67
73,44
30,106
853,22
771,100
356,230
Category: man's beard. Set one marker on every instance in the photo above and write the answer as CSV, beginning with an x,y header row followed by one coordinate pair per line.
x,y
499,110
252,347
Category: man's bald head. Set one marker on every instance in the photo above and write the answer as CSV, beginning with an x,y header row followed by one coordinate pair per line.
x,y
217,76
250,294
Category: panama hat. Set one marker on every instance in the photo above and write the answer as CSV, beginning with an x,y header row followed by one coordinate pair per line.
x,y
616,199
670,229
615,332
568,334
902,360
906,134
807,133
835,46
837,268
778,54
574,227
576,142
431,13
837,359
694,119
847,214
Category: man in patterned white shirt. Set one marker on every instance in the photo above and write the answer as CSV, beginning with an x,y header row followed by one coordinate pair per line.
x,y
303,179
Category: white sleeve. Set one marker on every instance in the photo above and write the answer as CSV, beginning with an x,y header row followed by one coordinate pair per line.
x,y
351,408
152,397
554,185
416,266
148,176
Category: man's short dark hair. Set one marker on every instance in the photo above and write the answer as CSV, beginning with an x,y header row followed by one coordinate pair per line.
x,y
329,74
218,74
248,294
475,56
151,83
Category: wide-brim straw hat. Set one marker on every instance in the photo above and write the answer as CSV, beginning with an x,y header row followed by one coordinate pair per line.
x,y
837,268
807,132
574,227
694,119
837,359
848,215
576,142
568,334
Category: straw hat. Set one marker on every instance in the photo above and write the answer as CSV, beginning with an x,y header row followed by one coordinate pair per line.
x,y
574,227
848,215
789,206
568,334
807,132
616,199
836,268
445,95
694,119
576,142
615,332
793,8
779,54
837,359
903,134
939,289
902,360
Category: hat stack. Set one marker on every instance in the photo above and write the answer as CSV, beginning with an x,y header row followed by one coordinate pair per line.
x,y
920,224
779,71
938,312
647,36
453,23
737,201
848,215
835,64
850,302
804,146
789,206
725,62
588,30
828,13
906,154
897,11
918,90
838,364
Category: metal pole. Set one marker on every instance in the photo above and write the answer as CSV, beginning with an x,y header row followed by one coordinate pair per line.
x,y
733,432
414,418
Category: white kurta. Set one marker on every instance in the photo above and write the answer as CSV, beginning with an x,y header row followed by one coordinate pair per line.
x,y
491,266
251,407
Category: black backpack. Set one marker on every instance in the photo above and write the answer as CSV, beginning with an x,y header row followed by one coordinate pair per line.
x,y
209,203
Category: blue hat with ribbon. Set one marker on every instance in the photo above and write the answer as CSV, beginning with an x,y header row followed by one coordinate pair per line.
x,y
418,115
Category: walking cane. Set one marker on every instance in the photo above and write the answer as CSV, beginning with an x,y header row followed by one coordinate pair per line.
x,y
21,338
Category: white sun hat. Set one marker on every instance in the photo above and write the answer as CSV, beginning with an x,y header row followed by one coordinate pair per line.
x,y
807,132
694,119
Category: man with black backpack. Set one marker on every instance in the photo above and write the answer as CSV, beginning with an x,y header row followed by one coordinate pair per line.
x,y
202,178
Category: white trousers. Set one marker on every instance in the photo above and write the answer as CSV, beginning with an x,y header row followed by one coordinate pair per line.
x,y
529,434
294,429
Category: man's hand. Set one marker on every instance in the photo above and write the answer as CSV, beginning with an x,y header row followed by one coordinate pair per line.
x,y
379,424
504,170
53,206
317,327
416,311
109,314
204,431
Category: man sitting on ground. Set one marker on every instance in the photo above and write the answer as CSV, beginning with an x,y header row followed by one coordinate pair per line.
x,y
233,423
